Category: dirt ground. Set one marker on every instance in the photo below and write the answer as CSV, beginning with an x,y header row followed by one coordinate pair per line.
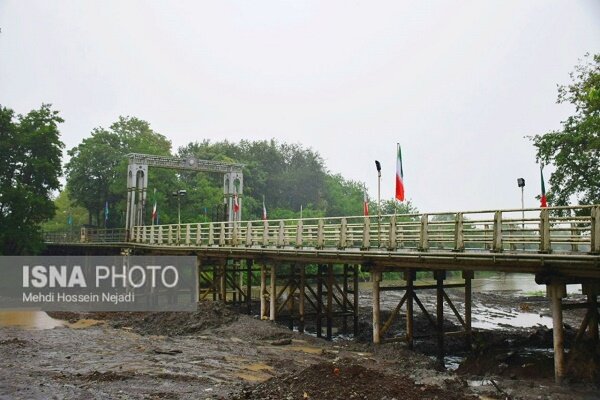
x,y
217,353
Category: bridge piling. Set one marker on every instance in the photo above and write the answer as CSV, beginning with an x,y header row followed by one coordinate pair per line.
x,y
410,276
263,291
273,295
301,298
440,276
329,301
376,279
556,292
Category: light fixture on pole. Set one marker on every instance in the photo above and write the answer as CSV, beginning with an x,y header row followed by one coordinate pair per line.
x,y
521,184
378,166
178,194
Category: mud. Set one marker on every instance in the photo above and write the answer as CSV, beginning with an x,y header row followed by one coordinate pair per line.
x,y
219,353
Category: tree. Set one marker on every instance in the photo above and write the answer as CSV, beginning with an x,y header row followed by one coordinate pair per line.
x,y
30,164
97,170
575,149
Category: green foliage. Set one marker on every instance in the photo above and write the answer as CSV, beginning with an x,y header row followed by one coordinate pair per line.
x,y
65,211
97,170
575,149
287,176
30,155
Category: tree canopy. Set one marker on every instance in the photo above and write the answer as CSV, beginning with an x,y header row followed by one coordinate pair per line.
x,y
98,166
288,176
575,149
30,165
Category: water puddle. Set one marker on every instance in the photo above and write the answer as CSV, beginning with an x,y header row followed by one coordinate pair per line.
x,y
35,320
39,320
490,318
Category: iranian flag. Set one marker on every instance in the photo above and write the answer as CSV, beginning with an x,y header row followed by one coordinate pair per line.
x,y
154,208
543,200
236,204
366,205
399,176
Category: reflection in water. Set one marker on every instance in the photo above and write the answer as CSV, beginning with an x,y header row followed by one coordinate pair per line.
x,y
29,320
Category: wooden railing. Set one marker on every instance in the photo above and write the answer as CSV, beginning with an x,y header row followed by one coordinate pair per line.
x,y
87,235
557,229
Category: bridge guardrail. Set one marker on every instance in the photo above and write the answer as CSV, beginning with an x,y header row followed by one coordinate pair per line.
x,y
574,229
557,229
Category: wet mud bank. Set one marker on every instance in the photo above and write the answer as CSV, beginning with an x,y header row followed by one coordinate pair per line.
x,y
219,353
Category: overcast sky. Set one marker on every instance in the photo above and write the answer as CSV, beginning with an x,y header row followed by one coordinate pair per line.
x,y
458,84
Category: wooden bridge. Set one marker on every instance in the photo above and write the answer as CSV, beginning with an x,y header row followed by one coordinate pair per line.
x,y
559,245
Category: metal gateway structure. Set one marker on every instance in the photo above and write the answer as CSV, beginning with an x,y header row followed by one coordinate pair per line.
x,y
137,182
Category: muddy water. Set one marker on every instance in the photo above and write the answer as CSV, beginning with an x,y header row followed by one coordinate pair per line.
x,y
29,320
37,320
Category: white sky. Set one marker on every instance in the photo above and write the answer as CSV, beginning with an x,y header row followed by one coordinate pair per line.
x,y
458,84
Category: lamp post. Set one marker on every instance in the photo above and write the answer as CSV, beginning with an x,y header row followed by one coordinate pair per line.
x,y
521,184
178,194
378,166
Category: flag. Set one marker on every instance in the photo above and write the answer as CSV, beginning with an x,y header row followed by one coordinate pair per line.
x,y
105,213
264,214
69,219
155,209
399,176
366,205
543,200
236,205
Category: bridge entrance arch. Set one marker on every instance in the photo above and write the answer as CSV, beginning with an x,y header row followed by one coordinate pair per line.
x,y
137,183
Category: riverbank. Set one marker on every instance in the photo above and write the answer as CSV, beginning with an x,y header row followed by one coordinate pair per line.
x,y
217,353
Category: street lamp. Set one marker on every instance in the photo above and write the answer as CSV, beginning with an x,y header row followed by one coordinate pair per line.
x,y
178,194
378,166
521,184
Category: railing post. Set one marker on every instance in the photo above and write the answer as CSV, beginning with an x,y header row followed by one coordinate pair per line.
x,y
497,234
366,234
459,234
222,235
188,232
574,237
152,234
249,234
160,234
595,239
392,244
198,234
234,234
265,238
343,233
170,237
299,230
83,235
321,234
424,233
281,235
211,234
545,246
